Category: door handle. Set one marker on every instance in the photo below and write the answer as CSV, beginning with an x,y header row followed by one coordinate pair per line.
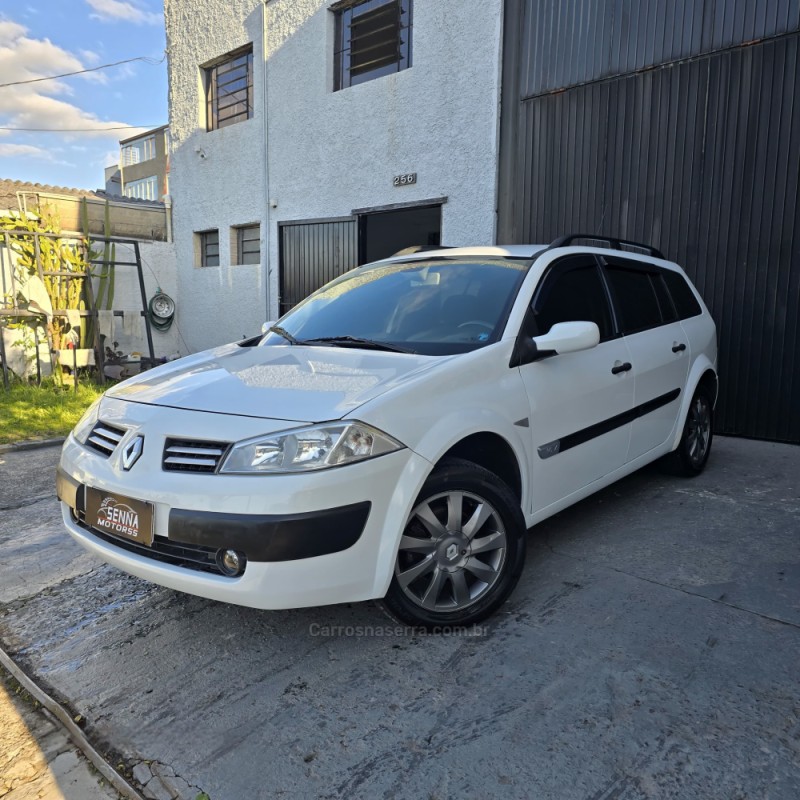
x,y
678,348
617,368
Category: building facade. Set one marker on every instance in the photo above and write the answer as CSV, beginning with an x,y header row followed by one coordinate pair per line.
x,y
324,135
143,169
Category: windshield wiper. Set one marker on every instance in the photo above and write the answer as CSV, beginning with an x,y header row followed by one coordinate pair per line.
x,y
356,341
283,332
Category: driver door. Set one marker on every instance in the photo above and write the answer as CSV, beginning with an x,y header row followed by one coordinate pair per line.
x,y
580,402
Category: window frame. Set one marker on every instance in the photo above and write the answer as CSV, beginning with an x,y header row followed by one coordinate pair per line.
x,y
145,150
344,13
651,271
211,88
531,325
240,242
151,181
204,243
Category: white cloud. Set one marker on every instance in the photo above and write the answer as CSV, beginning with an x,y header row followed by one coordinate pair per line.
x,y
89,56
124,11
10,150
30,151
42,104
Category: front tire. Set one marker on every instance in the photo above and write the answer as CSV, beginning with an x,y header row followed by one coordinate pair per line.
x,y
462,550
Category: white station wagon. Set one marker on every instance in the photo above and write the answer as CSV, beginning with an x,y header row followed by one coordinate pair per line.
x,y
395,434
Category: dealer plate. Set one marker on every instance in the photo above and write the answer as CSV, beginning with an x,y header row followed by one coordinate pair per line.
x,y
120,516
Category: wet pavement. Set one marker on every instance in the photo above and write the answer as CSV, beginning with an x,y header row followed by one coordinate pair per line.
x,y
651,650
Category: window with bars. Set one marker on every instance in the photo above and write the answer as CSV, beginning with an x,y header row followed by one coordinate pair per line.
x,y
373,38
247,244
209,248
229,89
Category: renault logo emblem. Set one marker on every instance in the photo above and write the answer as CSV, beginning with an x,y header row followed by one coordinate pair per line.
x,y
132,451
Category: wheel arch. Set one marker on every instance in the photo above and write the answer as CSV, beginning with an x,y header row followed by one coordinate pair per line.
x,y
703,373
492,452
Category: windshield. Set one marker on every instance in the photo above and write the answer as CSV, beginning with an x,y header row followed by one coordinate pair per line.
x,y
436,307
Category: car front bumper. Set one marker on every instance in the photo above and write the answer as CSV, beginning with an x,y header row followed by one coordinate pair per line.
x,y
309,538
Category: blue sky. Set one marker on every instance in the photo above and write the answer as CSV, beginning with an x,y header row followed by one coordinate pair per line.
x,y
48,37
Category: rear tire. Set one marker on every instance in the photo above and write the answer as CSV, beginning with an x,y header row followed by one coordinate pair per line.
x,y
690,457
462,550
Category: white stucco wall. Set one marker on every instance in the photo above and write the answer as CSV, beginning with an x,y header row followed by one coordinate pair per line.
x,y
159,271
329,152
216,177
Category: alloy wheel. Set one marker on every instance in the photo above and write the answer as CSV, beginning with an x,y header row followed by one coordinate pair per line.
x,y
452,551
699,433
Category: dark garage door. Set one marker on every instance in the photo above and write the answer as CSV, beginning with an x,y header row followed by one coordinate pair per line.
x,y
313,253
688,141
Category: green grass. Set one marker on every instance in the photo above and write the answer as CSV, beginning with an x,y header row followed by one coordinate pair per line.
x,y
42,412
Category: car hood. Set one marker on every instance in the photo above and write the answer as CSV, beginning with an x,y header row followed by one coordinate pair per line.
x,y
293,383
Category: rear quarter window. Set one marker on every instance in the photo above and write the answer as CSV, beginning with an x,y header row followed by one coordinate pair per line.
x,y
682,296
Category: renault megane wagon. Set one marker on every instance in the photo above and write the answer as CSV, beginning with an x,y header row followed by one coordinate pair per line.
x,y
395,434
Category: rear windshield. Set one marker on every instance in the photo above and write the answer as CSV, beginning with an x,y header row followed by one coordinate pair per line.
x,y
439,306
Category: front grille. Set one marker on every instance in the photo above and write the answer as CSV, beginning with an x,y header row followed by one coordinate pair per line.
x,y
178,554
183,455
104,438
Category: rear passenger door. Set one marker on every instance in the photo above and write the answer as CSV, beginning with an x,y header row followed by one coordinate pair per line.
x,y
658,349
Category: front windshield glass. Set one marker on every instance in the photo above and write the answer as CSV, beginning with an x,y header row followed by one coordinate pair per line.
x,y
439,306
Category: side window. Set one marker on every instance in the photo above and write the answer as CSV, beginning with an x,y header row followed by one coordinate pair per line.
x,y
573,291
668,313
635,297
683,297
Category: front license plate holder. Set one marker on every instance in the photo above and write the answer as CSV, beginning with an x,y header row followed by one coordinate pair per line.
x,y
120,516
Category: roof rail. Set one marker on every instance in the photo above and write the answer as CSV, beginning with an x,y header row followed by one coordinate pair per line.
x,y
617,244
420,248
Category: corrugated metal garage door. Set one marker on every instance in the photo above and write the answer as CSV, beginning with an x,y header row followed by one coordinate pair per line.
x,y
313,253
699,157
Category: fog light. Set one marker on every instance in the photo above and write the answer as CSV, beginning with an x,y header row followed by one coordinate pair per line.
x,y
230,562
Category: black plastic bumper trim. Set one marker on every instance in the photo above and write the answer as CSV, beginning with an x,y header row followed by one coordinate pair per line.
x,y
68,489
272,537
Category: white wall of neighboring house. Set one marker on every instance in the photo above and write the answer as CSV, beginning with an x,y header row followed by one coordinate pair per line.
x,y
159,271
327,152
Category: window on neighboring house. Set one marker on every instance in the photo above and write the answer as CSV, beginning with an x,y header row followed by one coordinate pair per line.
x,y
209,248
373,38
229,89
136,152
246,243
144,189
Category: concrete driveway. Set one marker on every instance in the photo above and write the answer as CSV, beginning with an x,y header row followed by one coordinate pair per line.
x,y
652,650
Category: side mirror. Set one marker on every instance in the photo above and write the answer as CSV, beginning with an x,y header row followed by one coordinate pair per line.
x,y
266,326
568,337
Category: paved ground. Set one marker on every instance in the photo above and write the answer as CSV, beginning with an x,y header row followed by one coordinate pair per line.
x,y
37,760
650,651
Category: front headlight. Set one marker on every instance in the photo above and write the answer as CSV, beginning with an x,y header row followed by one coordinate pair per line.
x,y
319,447
85,424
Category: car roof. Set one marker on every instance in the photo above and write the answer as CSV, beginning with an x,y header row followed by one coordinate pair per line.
x,y
526,251
495,251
